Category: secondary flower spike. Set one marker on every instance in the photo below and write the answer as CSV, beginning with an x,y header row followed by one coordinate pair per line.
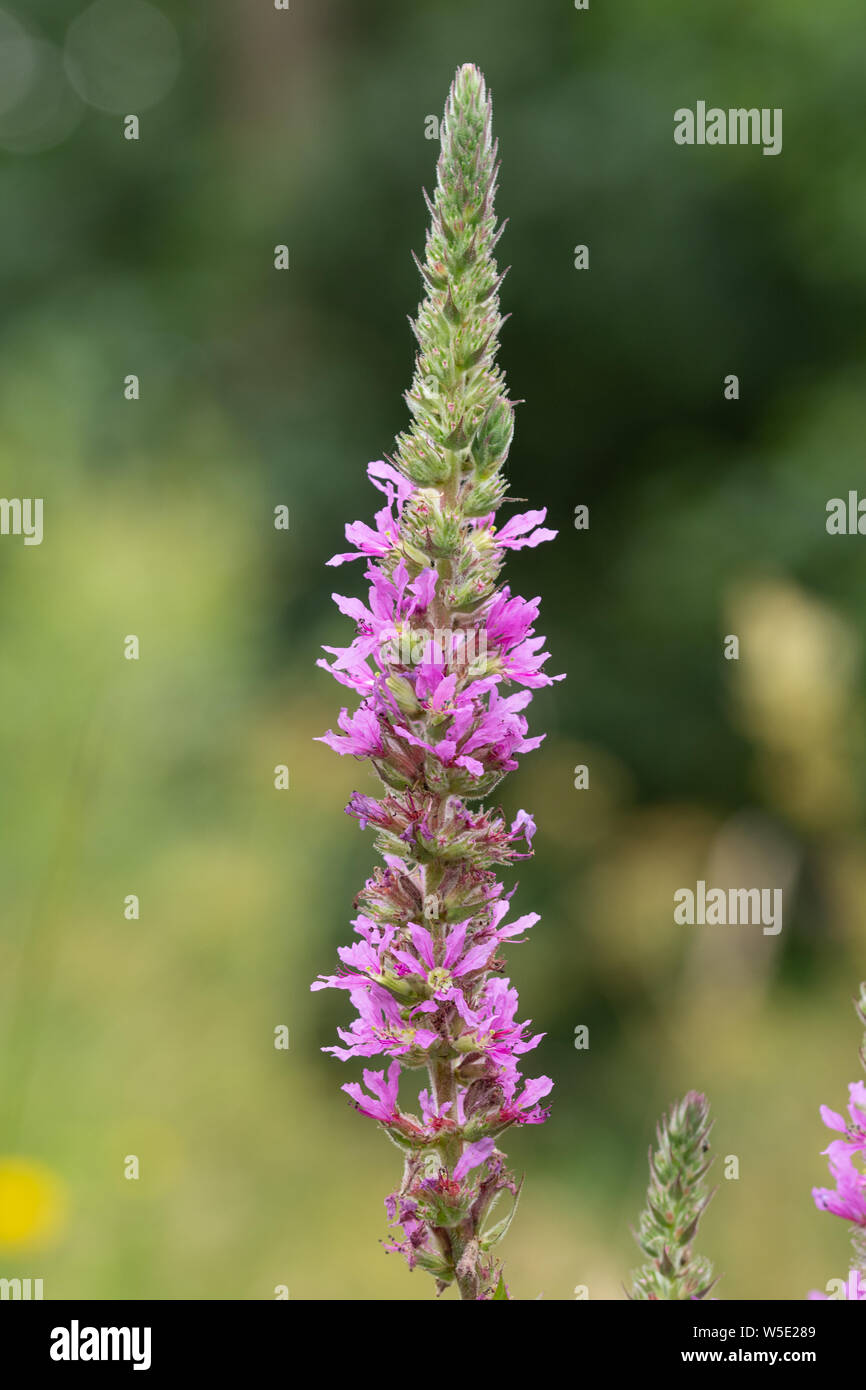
x,y
677,1198
445,660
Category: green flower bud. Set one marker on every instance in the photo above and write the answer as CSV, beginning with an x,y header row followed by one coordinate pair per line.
x,y
430,524
484,495
404,693
422,460
493,440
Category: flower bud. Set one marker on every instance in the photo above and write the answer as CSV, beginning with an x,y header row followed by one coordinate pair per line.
x,y
404,693
493,440
484,495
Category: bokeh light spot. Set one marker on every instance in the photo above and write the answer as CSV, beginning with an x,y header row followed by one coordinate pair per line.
x,y
47,109
122,55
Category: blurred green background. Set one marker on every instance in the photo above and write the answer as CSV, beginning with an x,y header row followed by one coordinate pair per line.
x,y
259,388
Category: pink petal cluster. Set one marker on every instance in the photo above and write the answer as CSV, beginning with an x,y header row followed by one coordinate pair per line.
x,y
425,974
846,1160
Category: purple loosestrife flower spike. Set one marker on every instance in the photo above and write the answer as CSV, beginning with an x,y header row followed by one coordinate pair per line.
x,y
846,1158
445,660
677,1197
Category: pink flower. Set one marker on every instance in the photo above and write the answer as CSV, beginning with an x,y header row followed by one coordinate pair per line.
x,y
473,1155
391,602
492,1028
509,626
386,537
380,1027
384,1106
855,1129
518,531
362,734
524,1109
848,1199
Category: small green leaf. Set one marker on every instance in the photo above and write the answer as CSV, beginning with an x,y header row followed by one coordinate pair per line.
x,y
494,1233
